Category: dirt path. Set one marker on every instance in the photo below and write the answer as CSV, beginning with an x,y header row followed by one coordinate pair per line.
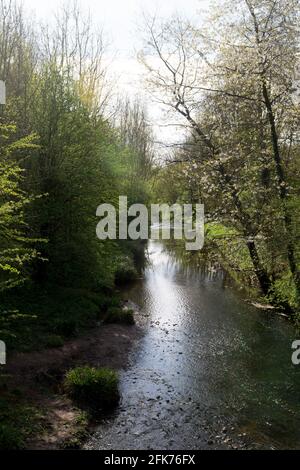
x,y
38,376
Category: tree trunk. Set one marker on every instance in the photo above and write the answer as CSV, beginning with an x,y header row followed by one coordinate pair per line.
x,y
260,272
282,190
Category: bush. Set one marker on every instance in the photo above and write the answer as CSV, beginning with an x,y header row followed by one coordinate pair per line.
x,y
125,271
93,387
284,292
118,315
54,341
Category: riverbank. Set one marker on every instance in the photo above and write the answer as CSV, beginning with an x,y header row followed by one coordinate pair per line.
x,y
32,383
210,372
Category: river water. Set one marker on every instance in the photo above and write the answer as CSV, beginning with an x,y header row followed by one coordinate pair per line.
x,y
211,371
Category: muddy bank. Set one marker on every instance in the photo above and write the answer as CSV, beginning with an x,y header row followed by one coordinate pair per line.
x,y
38,375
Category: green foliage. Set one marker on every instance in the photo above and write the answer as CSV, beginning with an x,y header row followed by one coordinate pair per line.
x,y
49,313
237,157
119,315
284,292
16,247
10,438
125,271
60,158
18,421
54,341
78,164
93,387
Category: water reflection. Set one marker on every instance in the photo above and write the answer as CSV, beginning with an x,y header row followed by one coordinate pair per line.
x,y
208,363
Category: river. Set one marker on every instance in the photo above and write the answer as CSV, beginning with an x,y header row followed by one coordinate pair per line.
x,y
210,372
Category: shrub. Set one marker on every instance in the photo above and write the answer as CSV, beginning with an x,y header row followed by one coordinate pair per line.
x,y
125,271
93,387
284,292
118,315
54,341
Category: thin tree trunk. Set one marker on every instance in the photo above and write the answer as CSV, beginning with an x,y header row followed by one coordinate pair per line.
x,y
260,272
282,191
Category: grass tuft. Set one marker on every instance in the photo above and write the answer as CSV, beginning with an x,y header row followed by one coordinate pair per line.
x,y
96,388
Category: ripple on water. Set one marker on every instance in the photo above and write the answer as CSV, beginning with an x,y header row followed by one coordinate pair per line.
x,y
210,371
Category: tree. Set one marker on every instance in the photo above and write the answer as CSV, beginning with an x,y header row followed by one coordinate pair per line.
x,y
16,242
232,83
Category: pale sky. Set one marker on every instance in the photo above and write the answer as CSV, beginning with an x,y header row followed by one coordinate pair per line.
x,y
120,20
120,17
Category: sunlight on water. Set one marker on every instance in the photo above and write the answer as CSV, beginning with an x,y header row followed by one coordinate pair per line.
x,y
207,362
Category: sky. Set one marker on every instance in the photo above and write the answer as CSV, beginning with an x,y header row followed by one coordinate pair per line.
x,y
120,17
120,20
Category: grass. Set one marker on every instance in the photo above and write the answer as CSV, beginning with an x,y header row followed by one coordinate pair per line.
x,y
96,388
35,319
32,319
10,438
19,420
79,432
